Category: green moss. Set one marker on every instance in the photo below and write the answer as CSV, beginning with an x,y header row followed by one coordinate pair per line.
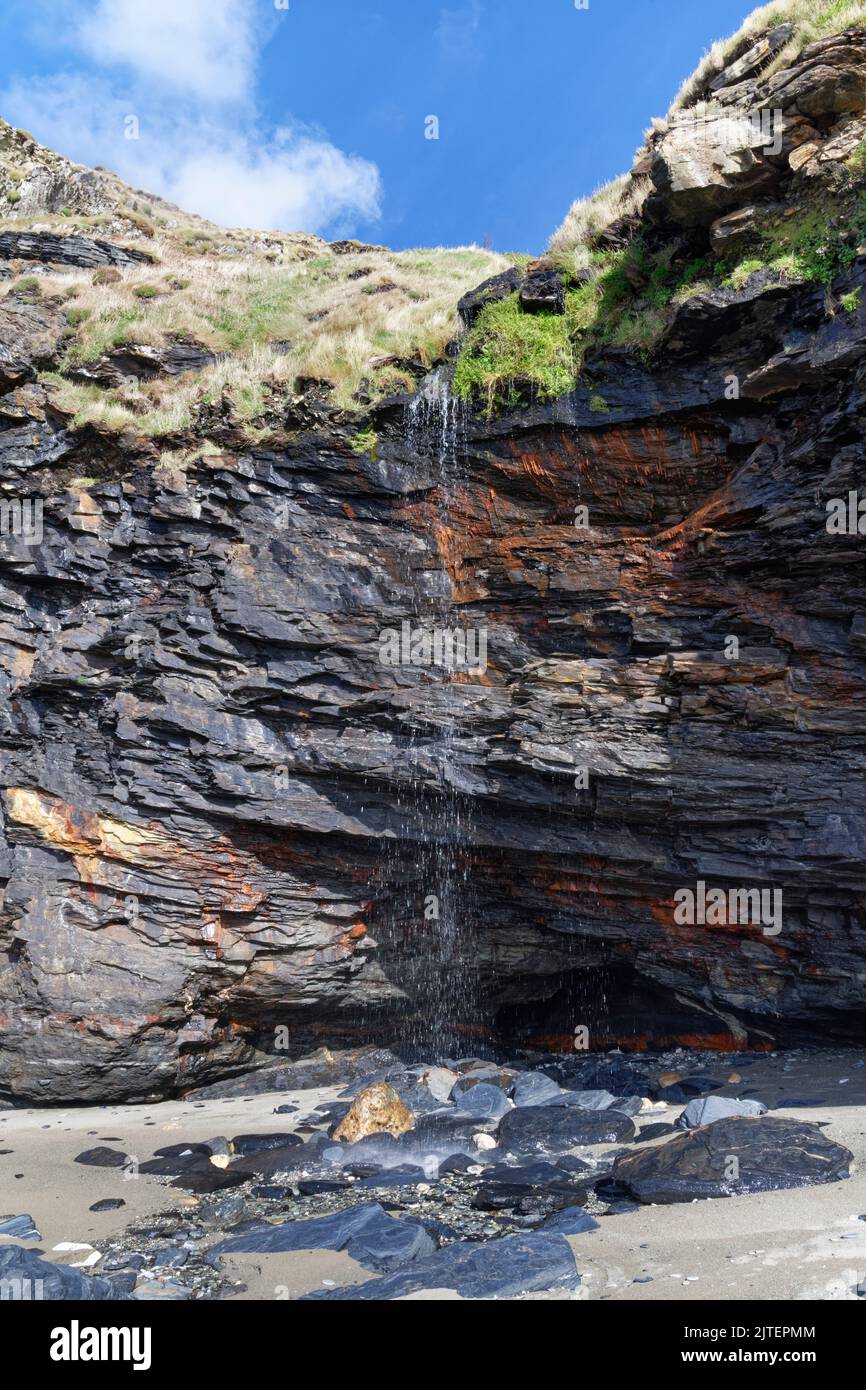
x,y
365,442
817,242
145,291
598,404
851,302
508,354
75,316
12,195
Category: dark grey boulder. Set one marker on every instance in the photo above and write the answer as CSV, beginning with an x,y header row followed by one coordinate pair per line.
x,y
101,1157
527,1200
21,1227
488,292
259,1143
554,1128
534,1088
485,1102
570,1221
388,1244
654,1131
542,292
770,1153
523,1263
584,1100
366,1232
25,1277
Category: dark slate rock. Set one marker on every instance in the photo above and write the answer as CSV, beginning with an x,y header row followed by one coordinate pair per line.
x,y
522,1263
290,1157
570,1221
710,1109
385,1247
37,1279
485,1102
366,1232
488,292
180,1151
553,1128
533,1088
21,1227
618,1077
585,1100
67,250
486,1076
458,1163
318,1233
101,1158
654,1132
442,1130
259,1143
202,1176
108,1204
526,1200
171,1257
543,292
172,1165
772,1153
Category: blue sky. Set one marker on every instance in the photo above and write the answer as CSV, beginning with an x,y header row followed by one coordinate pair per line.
x,y
313,115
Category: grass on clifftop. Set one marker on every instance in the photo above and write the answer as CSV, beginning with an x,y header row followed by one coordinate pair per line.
x,y
624,196
509,357
813,20
338,318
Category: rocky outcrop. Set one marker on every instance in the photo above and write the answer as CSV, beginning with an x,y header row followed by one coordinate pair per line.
x,y
84,251
231,827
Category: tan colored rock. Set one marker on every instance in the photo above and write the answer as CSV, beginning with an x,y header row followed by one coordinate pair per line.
x,y
376,1110
669,1078
734,1079
802,155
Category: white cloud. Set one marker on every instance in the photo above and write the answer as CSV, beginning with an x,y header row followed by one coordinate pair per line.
x,y
298,183
294,180
220,163
207,48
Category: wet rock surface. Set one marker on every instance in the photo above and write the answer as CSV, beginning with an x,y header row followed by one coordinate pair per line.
x,y
733,1156
423,1209
223,814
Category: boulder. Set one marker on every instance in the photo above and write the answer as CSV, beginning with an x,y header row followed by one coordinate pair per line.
x,y
553,1129
488,292
376,1110
770,1153
710,1109
503,1268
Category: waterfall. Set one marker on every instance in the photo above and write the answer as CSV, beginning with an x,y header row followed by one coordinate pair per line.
x,y
440,975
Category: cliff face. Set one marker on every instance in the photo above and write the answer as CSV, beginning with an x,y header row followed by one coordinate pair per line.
x,y
229,825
